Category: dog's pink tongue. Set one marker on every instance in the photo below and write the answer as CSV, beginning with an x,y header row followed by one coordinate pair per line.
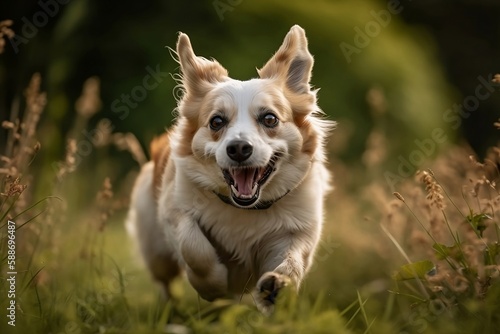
x,y
243,179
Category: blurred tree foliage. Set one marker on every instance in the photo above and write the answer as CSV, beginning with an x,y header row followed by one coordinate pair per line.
x,y
121,42
467,38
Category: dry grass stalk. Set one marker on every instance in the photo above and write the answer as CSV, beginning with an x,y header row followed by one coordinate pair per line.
x,y
103,131
129,142
376,149
22,144
20,150
104,203
87,105
5,32
497,124
375,97
496,79
101,212
462,239
13,188
69,164
89,102
376,145
434,191
399,196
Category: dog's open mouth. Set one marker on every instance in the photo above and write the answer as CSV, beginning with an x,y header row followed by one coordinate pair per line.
x,y
245,182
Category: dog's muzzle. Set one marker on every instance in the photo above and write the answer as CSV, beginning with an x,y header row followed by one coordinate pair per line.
x,y
245,181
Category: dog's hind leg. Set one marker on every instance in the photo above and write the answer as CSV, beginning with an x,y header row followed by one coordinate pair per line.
x,y
142,225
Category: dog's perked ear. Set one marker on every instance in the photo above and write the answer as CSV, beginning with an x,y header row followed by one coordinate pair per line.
x,y
198,74
292,63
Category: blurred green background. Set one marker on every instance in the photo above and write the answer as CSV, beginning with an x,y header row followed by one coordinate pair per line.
x,y
420,60
391,73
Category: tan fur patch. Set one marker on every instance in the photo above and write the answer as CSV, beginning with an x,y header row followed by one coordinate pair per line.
x,y
216,135
160,152
309,135
302,105
187,129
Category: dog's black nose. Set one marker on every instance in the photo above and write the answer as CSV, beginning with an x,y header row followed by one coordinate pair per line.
x,y
239,150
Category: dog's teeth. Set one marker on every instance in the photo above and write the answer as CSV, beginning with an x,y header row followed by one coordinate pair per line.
x,y
254,189
236,192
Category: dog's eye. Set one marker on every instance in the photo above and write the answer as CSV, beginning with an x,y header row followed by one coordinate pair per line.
x,y
269,120
217,123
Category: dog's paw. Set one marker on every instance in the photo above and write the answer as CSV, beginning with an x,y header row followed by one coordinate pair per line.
x,y
268,288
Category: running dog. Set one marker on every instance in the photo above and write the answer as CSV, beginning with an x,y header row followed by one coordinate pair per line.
x,y
233,195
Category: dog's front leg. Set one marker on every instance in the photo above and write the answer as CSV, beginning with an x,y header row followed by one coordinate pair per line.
x,y
284,264
205,273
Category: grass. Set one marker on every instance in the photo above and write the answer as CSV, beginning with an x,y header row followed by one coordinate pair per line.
x,y
426,260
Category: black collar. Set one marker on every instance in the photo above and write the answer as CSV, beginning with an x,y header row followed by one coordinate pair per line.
x,y
259,206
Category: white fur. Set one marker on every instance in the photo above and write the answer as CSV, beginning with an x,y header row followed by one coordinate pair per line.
x,y
225,249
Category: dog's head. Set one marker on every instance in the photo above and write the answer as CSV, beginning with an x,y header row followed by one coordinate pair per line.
x,y
252,141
